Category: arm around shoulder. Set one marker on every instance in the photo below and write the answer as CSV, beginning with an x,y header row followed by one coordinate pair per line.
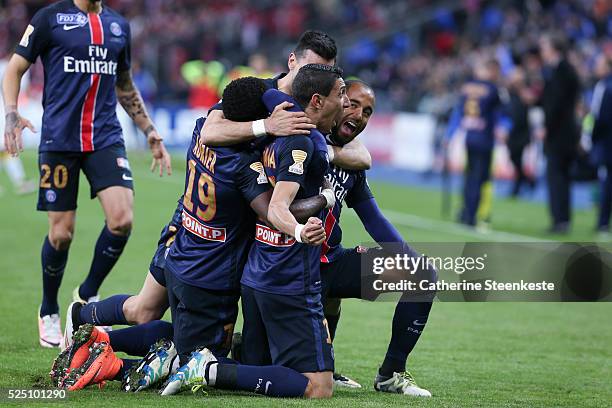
x,y
352,156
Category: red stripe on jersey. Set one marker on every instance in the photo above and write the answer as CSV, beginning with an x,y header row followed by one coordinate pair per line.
x,y
89,105
96,30
87,116
330,221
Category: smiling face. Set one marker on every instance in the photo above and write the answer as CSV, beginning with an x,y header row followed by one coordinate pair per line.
x,y
332,107
356,116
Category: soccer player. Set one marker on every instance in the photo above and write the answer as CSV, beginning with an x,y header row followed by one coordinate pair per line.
x,y
341,268
151,302
206,315
200,330
85,50
282,311
312,47
476,114
601,154
204,265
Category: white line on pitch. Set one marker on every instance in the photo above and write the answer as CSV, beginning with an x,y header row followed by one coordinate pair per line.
x,y
410,220
457,229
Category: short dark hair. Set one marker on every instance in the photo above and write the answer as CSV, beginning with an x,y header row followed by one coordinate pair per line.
x,y
242,100
314,79
318,42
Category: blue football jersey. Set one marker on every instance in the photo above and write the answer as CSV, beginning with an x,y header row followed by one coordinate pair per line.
x,y
211,248
277,263
349,185
81,54
480,104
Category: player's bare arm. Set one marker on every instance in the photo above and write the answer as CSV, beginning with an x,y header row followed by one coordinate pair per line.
x,y
302,209
280,217
14,123
309,207
129,97
218,131
352,156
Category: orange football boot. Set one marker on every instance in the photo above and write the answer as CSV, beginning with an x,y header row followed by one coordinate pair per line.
x,y
78,352
101,365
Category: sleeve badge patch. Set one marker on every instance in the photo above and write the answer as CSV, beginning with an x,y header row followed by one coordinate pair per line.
x,y
25,40
259,168
299,157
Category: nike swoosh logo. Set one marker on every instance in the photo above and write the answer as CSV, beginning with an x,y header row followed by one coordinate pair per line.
x,y
268,384
127,178
417,323
72,27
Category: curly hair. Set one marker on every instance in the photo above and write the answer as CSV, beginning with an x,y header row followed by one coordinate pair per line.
x,y
242,100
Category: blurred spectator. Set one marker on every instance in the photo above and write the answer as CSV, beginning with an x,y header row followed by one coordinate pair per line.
x,y
521,98
477,114
559,100
260,66
407,49
601,109
144,82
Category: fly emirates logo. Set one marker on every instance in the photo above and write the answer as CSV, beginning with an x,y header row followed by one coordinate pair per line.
x,y
96,63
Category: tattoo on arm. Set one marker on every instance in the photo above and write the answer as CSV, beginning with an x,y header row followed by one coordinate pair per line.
x,y
11,121
130,98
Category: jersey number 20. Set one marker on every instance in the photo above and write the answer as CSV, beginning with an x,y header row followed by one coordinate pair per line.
x,y
206,206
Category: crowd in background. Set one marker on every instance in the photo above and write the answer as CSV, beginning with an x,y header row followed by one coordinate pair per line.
x,y
415,53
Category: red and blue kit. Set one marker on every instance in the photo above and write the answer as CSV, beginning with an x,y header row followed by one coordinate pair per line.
x,y
277,263
81,54
211,248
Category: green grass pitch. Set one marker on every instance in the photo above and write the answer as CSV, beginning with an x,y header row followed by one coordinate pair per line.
x,y
477,354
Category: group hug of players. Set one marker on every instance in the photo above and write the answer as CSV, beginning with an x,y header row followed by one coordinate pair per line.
x,y
258,223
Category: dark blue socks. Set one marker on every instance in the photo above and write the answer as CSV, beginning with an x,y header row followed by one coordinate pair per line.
x,y
408,323
273,381
108,249
137,340
106,312
53,264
